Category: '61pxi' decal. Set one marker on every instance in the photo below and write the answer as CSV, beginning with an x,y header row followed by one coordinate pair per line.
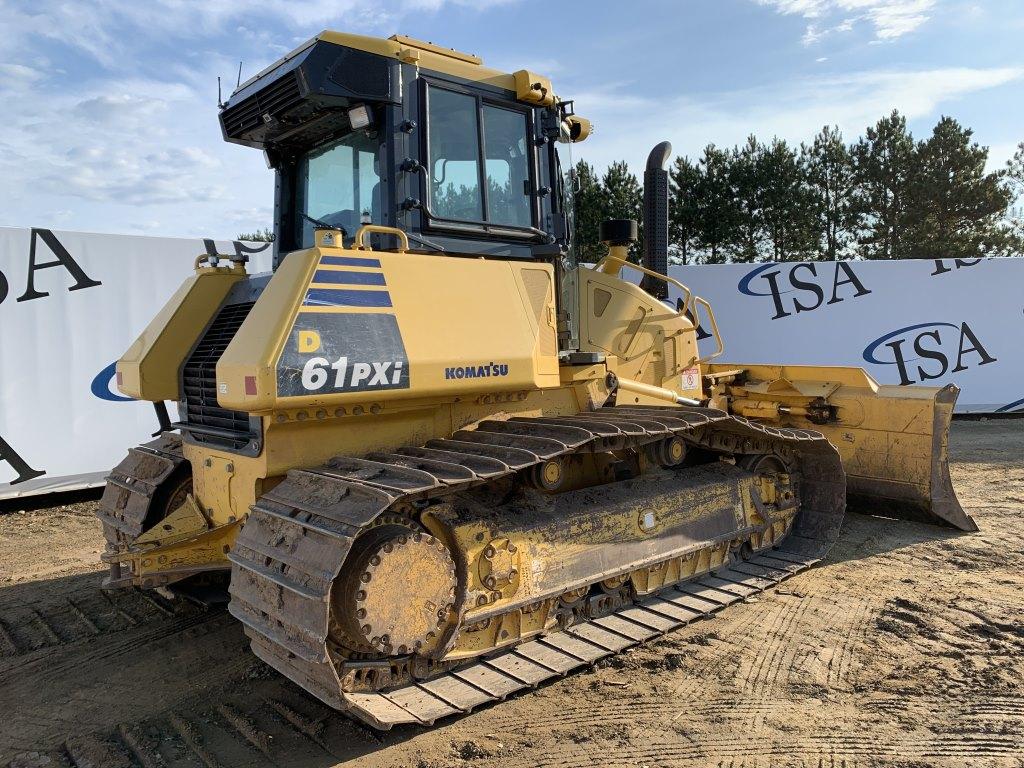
x,y
328,353
318,371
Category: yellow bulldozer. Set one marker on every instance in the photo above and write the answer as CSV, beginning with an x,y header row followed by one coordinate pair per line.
x,y
435,460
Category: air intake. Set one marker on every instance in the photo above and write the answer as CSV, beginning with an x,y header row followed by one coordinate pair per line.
x,y
262,107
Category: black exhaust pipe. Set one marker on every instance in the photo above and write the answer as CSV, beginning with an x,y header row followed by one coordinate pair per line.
x,y
656,219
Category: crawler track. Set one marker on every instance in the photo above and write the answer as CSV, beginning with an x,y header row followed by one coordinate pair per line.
x,y
299,534
133,485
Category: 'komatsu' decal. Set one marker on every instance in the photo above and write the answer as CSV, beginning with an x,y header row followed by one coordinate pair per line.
x,y
329,353
476,371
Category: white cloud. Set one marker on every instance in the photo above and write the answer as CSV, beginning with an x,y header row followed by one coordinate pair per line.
x,y
97,28
129,139
890,19
794,111
19,74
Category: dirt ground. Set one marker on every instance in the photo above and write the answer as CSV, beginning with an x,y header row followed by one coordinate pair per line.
x,y
904,648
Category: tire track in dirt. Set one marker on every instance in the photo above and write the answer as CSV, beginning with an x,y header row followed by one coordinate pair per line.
x,y
821,749
59,620
291,729
81,685
840,672
775,650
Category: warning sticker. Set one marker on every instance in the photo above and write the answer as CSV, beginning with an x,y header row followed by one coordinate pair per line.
x,y
691,378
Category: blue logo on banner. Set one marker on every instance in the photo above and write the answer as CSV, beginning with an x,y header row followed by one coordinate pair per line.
x,y
927,343
744,285
1014,407
101,386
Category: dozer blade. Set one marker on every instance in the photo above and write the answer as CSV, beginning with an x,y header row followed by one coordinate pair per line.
x,y
903,470
893,440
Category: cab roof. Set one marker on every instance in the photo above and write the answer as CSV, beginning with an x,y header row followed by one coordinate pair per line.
x,y
406,49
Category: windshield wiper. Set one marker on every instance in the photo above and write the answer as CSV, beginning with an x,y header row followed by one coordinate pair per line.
x,y
424,241
324,224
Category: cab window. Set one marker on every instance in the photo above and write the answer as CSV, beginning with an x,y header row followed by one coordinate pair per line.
x,y
454,156
508,168
338,184
479,161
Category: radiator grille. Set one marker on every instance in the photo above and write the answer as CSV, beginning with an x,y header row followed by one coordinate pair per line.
x,y
273,100
199,382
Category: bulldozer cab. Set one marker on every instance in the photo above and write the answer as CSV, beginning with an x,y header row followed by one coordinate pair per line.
x,y
406,134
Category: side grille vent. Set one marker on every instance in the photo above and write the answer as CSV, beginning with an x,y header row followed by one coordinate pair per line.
x,y
214,425
362,73
273,100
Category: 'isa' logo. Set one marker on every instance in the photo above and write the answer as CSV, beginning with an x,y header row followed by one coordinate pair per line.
x,y
924,351
800,288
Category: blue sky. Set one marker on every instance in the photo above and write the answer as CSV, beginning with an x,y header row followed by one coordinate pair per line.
x,y
110,118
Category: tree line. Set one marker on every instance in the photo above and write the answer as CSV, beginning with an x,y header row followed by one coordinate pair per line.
x,y
884,196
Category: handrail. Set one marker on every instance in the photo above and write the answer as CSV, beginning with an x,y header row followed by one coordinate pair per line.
x,y
640,268
714,330
383,230
214,259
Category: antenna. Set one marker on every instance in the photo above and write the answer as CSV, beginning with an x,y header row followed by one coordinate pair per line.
x,y
239,82
220,101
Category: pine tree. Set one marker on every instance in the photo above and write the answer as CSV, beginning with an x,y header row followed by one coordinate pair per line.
x,y
1015,171
954,208
717,212
787,214
828,167
1015,184
883,162
588,205
264,235
684,178
623,198
747,186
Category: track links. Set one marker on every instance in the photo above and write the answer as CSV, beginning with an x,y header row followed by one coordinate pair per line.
x,y
131,486
298,535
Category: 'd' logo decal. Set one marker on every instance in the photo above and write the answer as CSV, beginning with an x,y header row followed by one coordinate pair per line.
x,y
936,345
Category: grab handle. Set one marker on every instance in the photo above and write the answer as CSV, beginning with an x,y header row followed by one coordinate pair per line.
x,y
383,230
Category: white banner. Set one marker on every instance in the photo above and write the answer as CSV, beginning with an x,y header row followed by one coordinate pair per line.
x,y
70,305
928,322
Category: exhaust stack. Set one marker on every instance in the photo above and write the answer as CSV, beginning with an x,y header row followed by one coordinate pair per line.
x,y
656,219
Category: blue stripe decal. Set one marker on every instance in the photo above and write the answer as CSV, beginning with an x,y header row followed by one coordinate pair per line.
x,y
349,261
348,278
331,297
